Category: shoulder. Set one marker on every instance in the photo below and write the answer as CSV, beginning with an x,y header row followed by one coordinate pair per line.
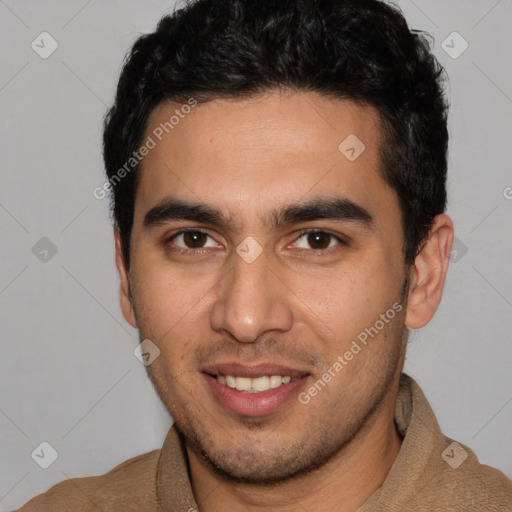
x,y
471,486
433,472
129,486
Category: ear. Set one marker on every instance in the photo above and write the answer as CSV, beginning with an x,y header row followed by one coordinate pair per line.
x,y
428,273
124,278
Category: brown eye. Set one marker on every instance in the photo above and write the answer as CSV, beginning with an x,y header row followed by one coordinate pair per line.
x,y
194,239
319,240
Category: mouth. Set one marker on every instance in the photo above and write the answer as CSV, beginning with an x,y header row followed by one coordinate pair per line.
x,y
253,390
253,385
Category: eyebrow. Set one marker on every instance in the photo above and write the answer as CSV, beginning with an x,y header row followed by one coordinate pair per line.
x,y
330,208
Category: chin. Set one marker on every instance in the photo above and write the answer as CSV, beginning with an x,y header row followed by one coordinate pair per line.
x,y
243,462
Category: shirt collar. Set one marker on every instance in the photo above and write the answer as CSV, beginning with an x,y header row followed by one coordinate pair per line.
x,y
174,490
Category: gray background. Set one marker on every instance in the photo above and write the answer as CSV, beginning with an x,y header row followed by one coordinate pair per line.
x,y
67,372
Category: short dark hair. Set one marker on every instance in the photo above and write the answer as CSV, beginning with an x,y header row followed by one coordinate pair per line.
x,y
361,50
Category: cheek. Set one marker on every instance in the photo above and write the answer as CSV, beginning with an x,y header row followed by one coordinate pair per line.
x,y
339,305
171,305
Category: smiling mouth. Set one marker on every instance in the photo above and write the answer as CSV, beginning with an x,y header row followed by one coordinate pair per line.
x,y
254,385
256,390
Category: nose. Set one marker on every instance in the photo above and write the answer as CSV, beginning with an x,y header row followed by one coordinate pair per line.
x,y
251,300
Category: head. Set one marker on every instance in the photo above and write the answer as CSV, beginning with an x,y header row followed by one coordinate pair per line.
x,y
278,183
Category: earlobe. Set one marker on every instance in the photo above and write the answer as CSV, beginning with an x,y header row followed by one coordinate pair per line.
x,y
428,273
125,298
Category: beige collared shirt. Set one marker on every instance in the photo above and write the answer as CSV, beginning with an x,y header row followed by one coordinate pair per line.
x,y
430,474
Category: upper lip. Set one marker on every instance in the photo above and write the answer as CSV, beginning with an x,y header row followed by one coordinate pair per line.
x,y
253,371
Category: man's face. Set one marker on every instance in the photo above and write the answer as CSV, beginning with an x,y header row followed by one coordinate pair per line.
x,y
322,266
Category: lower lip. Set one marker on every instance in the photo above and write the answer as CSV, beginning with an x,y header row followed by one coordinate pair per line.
x,y
253,404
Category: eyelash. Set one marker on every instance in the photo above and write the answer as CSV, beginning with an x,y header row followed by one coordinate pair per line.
x,y
181,250
310,231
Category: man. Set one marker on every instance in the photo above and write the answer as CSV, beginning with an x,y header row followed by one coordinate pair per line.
x,y
278,180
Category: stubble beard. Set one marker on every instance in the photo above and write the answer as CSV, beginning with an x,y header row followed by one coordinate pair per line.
x,y
244,462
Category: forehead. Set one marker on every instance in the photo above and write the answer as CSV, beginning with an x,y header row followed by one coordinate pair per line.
x,y
248,155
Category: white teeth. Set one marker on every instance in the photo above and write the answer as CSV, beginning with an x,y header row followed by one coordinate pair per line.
x,y
275,381
261,384
243,383
256,385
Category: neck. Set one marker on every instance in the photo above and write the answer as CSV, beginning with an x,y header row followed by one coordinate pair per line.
x,y
344,483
